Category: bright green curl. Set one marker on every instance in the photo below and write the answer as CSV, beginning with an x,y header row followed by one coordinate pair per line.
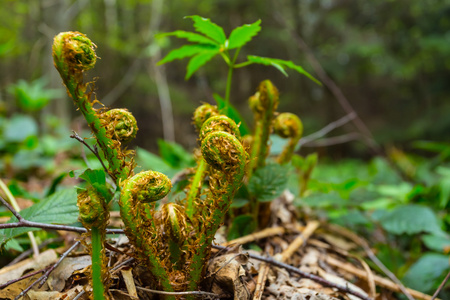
x,y
288,125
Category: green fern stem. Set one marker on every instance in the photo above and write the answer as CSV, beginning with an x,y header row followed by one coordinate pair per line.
x,y
97,239
195,188
225,153
73,54
263,104
137,192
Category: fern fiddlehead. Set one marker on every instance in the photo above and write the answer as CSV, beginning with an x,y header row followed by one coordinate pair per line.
x,y
288,125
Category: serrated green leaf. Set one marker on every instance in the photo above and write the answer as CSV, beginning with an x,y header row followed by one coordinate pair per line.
x,y
268,182
199,60
232,113
281,64
267,62
190,36
208,28
243,34
411,219
297,68
186,51
425,274
59,208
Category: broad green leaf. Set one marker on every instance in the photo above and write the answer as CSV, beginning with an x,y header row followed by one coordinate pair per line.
x,y
239,202
233,114
186,51
94,176
243,34
425,275
242,225
437,242
190,36
323,200
59,208
297,68
267,62
199,60
149,161
411,219
19,128
175,155
268,182
208,28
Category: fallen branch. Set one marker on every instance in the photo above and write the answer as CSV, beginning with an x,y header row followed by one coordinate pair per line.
x,y
297,271
41,280
25,223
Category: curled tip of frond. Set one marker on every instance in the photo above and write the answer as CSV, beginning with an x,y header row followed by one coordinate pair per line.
x,y
266,99
148,186
203,113
175,222
219,123
92,209
223,152
288,125
120,124
75,50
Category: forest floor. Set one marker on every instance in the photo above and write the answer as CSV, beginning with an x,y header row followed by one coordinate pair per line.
x,y
301,259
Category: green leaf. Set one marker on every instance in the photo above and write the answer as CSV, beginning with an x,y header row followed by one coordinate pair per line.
x,y
425,275
267,62
199,60
411,219
268,182
59,208
232,113
175,155
150,161
186,51
281,64
241,225
243,34
190,36
19,128
330,200
436,242
208,28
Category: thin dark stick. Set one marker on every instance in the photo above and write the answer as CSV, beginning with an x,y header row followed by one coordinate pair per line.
x,y
200,293
44,277
41,280
335,140
11,209
79,295
295,270
327,129
123,263
441,286
30,251
21,278
95,151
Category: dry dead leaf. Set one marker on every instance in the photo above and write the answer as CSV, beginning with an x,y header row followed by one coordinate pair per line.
x,y
57,279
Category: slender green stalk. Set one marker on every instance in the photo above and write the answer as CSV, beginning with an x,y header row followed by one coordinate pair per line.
x,y
227,156
97,239
195,188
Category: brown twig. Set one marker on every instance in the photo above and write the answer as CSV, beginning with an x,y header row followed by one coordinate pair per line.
x,y
29,251
2,286
441,286
335,140
198,293
95,151
360,241
262,276
41,280
25,223
297,271
299,241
